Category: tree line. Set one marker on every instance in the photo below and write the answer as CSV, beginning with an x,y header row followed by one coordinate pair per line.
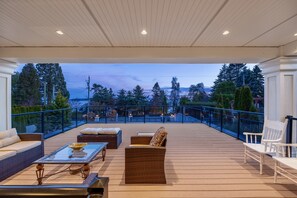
x,y
39,84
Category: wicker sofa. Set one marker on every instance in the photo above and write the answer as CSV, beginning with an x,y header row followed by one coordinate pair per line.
x,y
144,163
18,151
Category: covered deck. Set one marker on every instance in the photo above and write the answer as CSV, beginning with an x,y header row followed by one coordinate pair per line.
x,y
200,162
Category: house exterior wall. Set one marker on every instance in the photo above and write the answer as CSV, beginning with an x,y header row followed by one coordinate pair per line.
x,y
6,70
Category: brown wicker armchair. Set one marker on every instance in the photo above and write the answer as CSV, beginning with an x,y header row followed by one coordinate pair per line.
x,y
144,163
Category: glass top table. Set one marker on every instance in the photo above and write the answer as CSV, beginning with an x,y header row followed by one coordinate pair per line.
x,y
66,155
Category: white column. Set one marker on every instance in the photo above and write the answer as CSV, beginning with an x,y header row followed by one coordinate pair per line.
x,y
6,70
280,95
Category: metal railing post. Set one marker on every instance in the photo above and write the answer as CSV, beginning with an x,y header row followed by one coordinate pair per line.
x,y
105,114
201,114
183,110
289,129
125,114
76,118
143,114
42,122
238,125
163,109
87,114
221,116
209,118
62,120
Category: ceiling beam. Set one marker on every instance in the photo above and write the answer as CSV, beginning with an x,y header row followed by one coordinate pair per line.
x,y
138,54
289,49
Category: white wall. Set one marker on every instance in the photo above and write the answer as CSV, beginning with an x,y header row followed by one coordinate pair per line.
x,y
280,95
6,69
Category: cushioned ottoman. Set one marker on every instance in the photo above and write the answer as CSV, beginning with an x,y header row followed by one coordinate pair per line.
x,y
114,138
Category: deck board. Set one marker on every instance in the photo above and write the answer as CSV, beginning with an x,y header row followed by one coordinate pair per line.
x,y
200,162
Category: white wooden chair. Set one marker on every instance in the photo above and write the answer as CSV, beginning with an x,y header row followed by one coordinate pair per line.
x,y
283,163
273,132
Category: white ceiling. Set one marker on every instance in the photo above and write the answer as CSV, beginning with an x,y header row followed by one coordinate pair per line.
x,y
169,23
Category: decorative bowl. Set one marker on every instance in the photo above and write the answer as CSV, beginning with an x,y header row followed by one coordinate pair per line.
x,y
77,146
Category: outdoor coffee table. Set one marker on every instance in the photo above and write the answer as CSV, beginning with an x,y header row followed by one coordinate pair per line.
x,y
66,155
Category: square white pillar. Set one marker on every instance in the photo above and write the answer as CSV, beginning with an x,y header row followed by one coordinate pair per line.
x,y
280,93
6,70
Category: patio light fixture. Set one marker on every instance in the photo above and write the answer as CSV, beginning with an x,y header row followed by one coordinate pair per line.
x,y
226,32
59,32
295,34
144,32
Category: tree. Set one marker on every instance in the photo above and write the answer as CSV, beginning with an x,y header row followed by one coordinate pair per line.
x,y
51,74
60,101
237,99
184,100
102,95
257,82
224,94
230,73
246,99
197,93
156,99
121,98
14,87
163,98
175,91
130,98
27,91
139,97
234,73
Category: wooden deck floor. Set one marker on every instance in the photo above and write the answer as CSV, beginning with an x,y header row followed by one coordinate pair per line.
x,y
200,162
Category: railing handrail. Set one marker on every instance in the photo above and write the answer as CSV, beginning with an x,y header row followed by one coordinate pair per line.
x,y
40,112
234,110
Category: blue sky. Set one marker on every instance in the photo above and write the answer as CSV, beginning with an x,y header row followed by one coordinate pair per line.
x,y
127,76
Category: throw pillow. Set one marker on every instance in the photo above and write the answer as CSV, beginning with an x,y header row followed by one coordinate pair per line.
x,y
159,137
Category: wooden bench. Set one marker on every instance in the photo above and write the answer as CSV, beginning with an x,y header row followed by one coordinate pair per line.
x,y
285,160
257,145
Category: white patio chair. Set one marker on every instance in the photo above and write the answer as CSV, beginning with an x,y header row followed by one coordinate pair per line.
x,y
285,160
273,132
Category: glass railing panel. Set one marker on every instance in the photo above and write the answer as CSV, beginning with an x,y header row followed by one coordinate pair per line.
x,y
154,114
52,123
192,115
135,114
230,122
250,122
27,122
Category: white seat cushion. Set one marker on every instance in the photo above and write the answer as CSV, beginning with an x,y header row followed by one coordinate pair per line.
x,y
89,131
6,154
107,131
21,146
260,148
290,162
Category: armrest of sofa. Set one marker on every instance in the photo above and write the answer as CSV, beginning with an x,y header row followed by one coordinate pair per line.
x,y
141,139
31,136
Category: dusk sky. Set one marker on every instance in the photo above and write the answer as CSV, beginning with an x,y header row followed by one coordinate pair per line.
x,y
127,76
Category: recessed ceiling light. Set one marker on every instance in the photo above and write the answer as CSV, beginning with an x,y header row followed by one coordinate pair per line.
x,y
226,32
59,32
295,34
144,32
